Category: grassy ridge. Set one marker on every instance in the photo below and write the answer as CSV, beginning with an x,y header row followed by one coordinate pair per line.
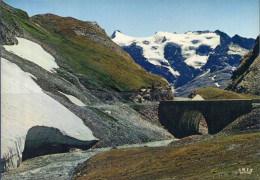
x,y
95,63
214,93
216,159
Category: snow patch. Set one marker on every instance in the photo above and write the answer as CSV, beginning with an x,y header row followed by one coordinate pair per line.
x,y
236,49
205,73
33,76
74,100
33,52
175,73
123,40
213,77
233,68
196,61
24,105
217,84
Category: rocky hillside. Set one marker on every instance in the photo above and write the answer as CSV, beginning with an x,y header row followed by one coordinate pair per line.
x,y
66,84
188,61
246,78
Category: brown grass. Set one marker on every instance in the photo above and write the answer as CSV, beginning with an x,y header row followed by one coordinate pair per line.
x,y
217,159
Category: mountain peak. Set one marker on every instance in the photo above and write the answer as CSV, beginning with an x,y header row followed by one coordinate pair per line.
x,y
222,34
114,34
236,36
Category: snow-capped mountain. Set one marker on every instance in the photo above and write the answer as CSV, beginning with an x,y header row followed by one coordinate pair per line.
x,y
190,60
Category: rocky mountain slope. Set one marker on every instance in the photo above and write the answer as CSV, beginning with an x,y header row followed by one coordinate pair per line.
x,y
188,61
246,78
66,84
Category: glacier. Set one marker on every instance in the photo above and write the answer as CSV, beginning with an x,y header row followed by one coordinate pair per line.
x,y
153,47
25,106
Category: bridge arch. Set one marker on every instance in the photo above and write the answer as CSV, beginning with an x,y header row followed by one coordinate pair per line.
x,y
192,122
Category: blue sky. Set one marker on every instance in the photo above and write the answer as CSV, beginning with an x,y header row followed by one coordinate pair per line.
x,y
141,18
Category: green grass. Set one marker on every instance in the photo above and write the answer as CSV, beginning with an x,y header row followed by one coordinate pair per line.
x,y
214,93
95,64
219,158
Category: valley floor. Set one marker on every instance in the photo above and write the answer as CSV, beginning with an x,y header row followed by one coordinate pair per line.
x,y
201,156
215,157
61,166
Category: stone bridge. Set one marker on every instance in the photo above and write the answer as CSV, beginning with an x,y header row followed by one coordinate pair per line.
x,y
217,114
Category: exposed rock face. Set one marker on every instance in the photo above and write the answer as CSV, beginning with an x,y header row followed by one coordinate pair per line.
x,y
8,38
246,78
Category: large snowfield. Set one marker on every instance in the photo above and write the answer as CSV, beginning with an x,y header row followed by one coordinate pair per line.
x,y
24,105
153,47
